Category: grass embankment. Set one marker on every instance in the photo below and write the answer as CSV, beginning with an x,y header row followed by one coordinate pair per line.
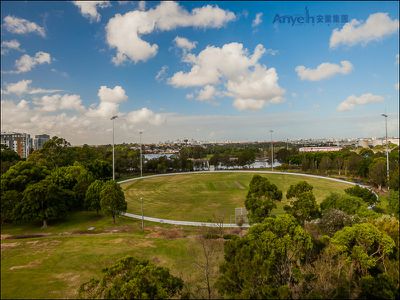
x,y
55,265
201,197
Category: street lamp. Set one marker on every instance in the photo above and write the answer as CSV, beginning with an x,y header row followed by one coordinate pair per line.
x,y
141,164
141,205
272,152
387,150
113,163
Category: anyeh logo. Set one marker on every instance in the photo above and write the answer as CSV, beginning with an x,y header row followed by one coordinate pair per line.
x,y
307,19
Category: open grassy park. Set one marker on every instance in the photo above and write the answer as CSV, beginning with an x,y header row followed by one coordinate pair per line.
x,y
54,262
202,197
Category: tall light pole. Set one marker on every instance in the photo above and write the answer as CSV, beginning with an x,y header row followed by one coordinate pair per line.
x,y
113,164
141,164
387,150
141,205
272,152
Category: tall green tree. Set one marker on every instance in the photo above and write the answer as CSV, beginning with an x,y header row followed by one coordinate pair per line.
x,y
260,198
297,189
304,207
377,172
42,201
364,193
92,198
112,199
131,278
264,263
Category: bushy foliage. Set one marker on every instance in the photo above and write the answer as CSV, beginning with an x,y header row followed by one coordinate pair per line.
x,y
299,188
304,207
92,197
131,278
264,263
260,198
363,193
349,204
334,220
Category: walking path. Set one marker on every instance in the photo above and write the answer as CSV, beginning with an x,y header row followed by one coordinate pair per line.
x,y
207,224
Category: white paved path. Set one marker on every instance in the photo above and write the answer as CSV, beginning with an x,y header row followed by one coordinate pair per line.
x,y
206,224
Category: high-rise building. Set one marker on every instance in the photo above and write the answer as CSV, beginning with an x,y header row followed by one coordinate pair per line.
x,y
19,142
39,141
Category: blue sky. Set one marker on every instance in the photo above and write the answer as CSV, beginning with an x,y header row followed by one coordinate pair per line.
x,y
68,83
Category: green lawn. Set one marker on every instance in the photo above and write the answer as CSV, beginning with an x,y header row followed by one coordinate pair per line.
x,y
56,265
200,197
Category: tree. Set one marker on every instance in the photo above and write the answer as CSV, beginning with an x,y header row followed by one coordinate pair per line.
x,y
8,158
131,278
349,204
264,263
42,201
393,203
377,172
304,207
334,220
112,199
299,188
365,245
260,198
325,164
92,198
363,193
100,169
9,200
56,152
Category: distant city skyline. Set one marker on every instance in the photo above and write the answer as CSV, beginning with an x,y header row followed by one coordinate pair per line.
x,y
211,71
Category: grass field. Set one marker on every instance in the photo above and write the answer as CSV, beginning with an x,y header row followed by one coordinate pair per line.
x,y
202,197
54,266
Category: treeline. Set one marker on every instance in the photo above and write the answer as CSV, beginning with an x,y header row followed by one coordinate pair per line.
x,y
56,180
365,165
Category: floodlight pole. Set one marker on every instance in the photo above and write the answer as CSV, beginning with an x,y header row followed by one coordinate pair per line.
x,y
387,150
113,151
141,164
141,201
272,152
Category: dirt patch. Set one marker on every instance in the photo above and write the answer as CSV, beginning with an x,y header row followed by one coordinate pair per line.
x,y
118,241
72,280
5,236
9,245
145,244
168,233
32,264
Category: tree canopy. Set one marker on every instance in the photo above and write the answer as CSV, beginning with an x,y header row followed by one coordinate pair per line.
x,y
112,199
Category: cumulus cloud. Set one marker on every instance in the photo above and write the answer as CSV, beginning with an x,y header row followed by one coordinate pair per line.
x,y
184,43
88,9
272,52
109,102
26,63
22,26
376,27
251,84
324,71
7,46
51,103
206,93
162,73
257,20
124,32
144,115
23,87
352,101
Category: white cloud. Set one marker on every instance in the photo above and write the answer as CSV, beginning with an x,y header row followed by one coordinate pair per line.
x,y
184,43
22,26
376,27
59,102
162,73
23,87
26,63
124,32
257,20
109,102
88,9
352,101
145,115
324,71
251,84
7,46
272,52
206,93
